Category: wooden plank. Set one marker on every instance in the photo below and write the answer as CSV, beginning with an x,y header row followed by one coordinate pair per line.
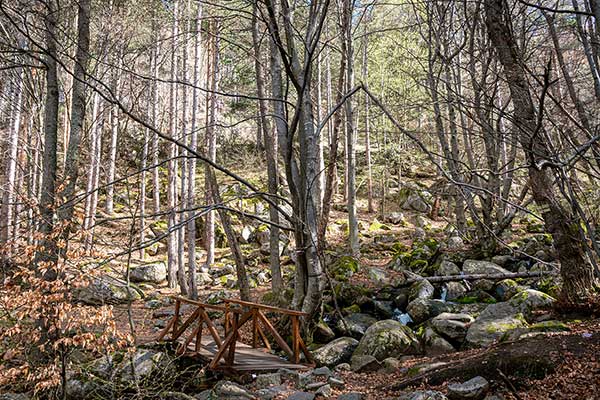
x,y
266,308
232,335
176,318
206,306
186,324
264,338
231,353
296,338
275,334
166,329
198,337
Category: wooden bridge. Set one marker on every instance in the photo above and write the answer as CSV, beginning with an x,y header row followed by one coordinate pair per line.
x,y
225,350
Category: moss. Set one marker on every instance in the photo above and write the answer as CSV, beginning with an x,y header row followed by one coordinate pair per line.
x,y
344,268
467,300
549,326
376,225
353,309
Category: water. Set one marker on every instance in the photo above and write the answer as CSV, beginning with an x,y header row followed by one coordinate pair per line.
x,y
401,317
444,293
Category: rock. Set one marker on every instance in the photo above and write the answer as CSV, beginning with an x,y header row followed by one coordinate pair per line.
x,y
417,203
447,268
155,273
204,279
323,333
324,391
144,364
483,285
266,380
419,234
453,326
505,289
454,290
336,382
226,390
530,300
301,396
493,323
421,290
423,395
504,260
473,389
108,290
455,243
289,375
14,396
390,365
355,324
420,310
387,338
350,396
336,352
272,392
396,218
365,363
435,344
75,390
482,267
383,308
153,304
378,275
262,278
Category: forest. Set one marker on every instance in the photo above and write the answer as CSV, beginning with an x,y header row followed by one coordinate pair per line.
x,y
300,199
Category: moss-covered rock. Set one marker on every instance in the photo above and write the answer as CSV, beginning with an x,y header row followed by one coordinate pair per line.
x,y
387,338
493,323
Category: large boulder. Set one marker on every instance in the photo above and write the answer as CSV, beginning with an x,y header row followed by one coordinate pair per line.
x,y
473,389
421,289
146,364
387,338
530,300
336,352
493,324
452,326
420,310
418,202
226,390
106,289
435,344
355,325
155,273
447,267
471,267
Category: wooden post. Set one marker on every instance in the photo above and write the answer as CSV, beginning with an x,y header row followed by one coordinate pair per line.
x,y
254,328
234,331
296,338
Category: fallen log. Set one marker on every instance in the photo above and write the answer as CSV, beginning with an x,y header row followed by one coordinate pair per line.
x,y
474,277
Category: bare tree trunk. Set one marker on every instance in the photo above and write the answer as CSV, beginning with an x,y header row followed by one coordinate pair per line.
x,y
8,215
94,172
46,255
191,224
270,144
172,164
78,108
365,76
155,142
211,144
576,270
350,134
114,128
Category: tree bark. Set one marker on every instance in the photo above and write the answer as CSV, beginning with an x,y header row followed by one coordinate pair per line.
x,y
576,271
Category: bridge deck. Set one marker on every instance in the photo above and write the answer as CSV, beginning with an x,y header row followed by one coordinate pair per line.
x,y
246,357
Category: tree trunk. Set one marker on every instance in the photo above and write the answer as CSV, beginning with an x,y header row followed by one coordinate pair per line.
x,y
78,107
46,255
114,129
270,145
576,271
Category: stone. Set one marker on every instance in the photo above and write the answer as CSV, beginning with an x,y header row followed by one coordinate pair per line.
x,y
420,310
336,382
75,390
419,234
323,333
107,290
343,367
335,352
351,396
324,391
266,380
355,325
455,243
301,396
421,290
365,363
493,323
484,285
482,267
204,279
455,290
289,375
155,273
226,390
153,304
505,289
473,389
383,308
144,364
415,202
452,326
390,365
322,371
314,386
504,260
435,344
396,218
271,392
530,300
387,338
14,396
423,395
447,268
